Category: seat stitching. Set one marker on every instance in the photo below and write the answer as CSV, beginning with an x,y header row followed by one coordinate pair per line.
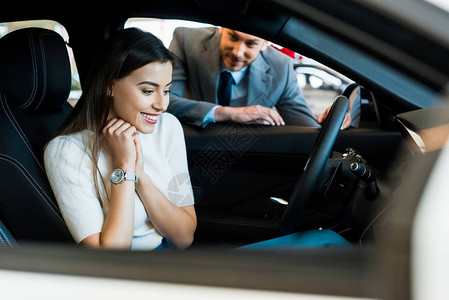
x,y
32,181
17,127
42,192
35,77
44,68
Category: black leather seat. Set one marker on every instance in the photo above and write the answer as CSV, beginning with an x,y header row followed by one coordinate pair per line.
x,y
34,86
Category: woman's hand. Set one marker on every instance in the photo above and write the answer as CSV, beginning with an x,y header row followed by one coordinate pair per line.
x,y
140,171
118,226
118,140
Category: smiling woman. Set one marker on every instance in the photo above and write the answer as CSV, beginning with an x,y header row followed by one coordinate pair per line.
x,y
142,96
118,131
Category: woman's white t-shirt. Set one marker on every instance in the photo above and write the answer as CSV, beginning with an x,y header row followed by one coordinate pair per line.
x,y
69,170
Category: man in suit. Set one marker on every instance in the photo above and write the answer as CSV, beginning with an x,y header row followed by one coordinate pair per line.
x,y
262,87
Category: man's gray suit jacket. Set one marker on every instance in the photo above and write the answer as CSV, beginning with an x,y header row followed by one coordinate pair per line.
x,y
272,80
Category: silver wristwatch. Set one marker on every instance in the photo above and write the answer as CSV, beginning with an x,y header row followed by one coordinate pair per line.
x,y
118,176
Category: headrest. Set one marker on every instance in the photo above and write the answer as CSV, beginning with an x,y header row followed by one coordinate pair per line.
x,y
35,69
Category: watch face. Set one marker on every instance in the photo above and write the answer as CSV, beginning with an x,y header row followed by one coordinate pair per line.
x,y
117,176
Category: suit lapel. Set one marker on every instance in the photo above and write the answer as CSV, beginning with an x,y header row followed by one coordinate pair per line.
x,y
259,83
210,67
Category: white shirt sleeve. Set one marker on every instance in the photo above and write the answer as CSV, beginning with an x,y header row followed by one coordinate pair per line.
x,y
180,188
68,169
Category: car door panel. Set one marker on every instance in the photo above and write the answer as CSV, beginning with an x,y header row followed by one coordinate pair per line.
x,y
232,162
236,168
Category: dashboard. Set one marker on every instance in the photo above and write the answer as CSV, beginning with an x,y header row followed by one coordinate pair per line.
x,y
426,129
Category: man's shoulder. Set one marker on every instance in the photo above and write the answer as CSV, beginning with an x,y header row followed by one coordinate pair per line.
x,y
272,55
195,33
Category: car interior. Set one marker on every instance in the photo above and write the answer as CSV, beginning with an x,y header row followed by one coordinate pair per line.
x,y
252,183
268,161
34,111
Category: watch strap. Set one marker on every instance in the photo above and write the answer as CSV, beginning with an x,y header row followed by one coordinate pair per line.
x,y
131,176
118,176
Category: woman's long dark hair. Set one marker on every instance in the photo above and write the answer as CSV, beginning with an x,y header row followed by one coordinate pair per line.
x,y
121,54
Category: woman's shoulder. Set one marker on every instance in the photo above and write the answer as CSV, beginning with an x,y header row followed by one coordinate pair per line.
x,y
169,123
169,118
167,131
66,143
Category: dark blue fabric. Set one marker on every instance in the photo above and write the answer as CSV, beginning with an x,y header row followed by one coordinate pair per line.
x,y
306,239
225,89
165,245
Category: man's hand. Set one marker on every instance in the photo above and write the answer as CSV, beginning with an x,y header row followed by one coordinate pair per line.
x,y
346,122
255,114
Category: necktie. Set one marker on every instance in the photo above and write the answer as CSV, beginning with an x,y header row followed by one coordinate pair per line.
x,y
225,88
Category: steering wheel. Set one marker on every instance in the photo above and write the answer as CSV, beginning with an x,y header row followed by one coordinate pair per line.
x,y
317,160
